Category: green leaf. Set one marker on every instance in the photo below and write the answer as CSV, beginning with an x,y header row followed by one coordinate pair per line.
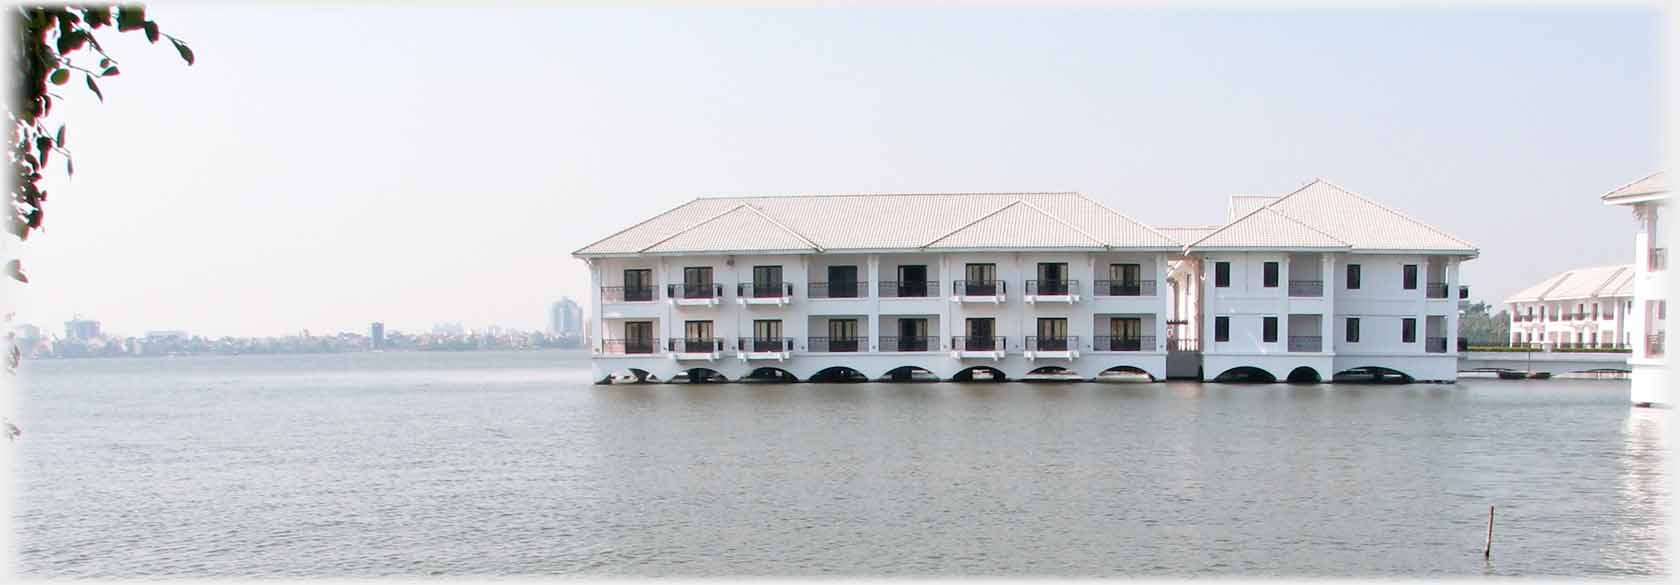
x,y
95,87
151,31
44,145
60,138
60,76
105,62
185,52
109,72
15,269
98,16
69,168
132,17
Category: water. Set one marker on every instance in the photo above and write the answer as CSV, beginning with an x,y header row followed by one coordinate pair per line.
x,y
476,464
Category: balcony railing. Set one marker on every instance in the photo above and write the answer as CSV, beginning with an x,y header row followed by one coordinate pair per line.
x,y
1124,288
838,290
1658,259
626,294
906,344
979,288
978,343
1568,316
1579,315
1435,290
1052,288
840,345
1520,318
908,290
764,344
1654,345
628,346
1121,343
1435,344
764,290
1306,288
1306,343
694,345
1036,343
695,290
1176,344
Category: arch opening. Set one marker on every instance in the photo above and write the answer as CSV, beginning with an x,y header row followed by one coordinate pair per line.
x,y
1051,374
1303,375
980,374
768,374
1371,375
699,376
1124,374
629,376
839,374
1245,375
910,374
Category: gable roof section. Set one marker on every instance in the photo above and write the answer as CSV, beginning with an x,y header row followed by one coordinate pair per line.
x,y
1241,205
1647,188
1580,283
742,228
1264,228
835,223
1017,225
1184,234
1367,226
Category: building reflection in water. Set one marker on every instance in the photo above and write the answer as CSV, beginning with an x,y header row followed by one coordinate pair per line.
x,y
1640,543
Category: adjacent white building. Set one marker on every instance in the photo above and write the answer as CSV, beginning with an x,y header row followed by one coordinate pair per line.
x,y
1648,320
1019,283
1581,308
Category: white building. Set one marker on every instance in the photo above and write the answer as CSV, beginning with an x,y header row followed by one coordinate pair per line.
x,y
1017,283
1581,308
1323,281
1648,321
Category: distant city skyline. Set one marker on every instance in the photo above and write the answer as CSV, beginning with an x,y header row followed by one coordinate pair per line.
x,y
277,187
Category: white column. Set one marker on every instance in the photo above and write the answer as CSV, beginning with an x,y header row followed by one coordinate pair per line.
x,y
874,286
1327,319
662,277
598,331
1165,298
1452,311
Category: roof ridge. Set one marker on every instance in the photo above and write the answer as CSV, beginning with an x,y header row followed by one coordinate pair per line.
x,y
1129,218
1608,281
1607,194
971,223
1087,235
817,195
636,225
1390,210
785,228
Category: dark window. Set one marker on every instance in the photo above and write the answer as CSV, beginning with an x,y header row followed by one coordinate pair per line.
x,y
1353,330
1410,276
842,282
1221,328
638,284
1271,275
1353,277
1221,274
1268,329
1408,330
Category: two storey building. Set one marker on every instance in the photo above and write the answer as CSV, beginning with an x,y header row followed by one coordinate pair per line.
x,y
1648,319
1583,308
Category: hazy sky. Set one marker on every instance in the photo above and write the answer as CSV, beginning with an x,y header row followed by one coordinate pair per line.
x,y
322,168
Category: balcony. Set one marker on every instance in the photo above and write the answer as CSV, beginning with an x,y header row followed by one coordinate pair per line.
x,y
694,294
764,348
1306,288
835,344
626,294
1435,290
1123,288
837,290
1306,343
705,348
1058,291
1112,343
1052,347
1579,315
979,291
1568,316
628,346
1654,345
764,293
1658,259
978,347
1435,344
909,344
908,290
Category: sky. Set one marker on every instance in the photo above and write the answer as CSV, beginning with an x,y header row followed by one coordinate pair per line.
x,y
321,168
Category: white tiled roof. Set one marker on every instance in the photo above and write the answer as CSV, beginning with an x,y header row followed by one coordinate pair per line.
x,y
1652,186
1323,212
1185,234
1241,205
835,223
1580,283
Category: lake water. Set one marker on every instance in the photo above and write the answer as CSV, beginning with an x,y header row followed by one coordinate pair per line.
x,y
477,464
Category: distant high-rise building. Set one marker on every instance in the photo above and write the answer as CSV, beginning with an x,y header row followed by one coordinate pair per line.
x,y
565,318
79,329
378,335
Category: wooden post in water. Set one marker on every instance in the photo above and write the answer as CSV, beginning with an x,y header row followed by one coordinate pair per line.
x,y
1487,552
